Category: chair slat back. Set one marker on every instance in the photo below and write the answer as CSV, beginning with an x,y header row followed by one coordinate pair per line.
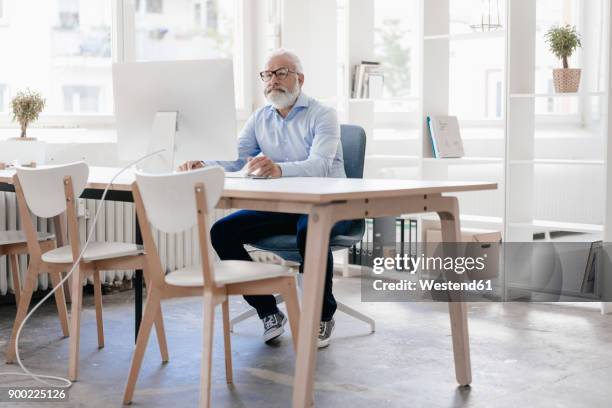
x,y
169,198
43,188
176,202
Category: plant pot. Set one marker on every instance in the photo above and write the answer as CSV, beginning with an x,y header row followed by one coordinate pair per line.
x,y
24,151
566,79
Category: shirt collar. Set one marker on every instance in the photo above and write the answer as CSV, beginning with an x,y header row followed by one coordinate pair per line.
x,y
302,101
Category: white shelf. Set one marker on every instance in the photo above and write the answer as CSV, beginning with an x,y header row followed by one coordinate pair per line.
x,y
388,138
481,219
519,127
467,36
464,160
406,99
558,226
493,222
359,100
555,95
393,157
563,162
535,225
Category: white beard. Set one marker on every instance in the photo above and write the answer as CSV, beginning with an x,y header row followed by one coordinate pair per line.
x,y
282,100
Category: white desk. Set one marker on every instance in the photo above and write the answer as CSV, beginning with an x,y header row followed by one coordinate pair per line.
x,y
328,201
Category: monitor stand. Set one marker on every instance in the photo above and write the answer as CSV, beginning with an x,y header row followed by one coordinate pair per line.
x,y
163,137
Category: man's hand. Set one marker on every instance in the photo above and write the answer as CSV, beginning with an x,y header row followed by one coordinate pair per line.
x,y
264,167
190,165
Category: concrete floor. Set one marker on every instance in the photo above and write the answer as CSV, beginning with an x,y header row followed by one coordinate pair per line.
x,y
527,355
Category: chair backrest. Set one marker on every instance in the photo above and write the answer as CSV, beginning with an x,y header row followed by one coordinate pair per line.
x,y
174,203
353,139
43,188
169,199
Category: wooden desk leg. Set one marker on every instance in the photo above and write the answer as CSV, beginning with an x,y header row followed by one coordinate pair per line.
x,y
317,243
451,232
60,240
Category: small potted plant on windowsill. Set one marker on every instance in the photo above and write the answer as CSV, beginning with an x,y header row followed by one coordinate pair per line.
x,y
563,41
27,106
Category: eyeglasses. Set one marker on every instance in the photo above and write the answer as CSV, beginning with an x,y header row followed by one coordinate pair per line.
x,y
280,73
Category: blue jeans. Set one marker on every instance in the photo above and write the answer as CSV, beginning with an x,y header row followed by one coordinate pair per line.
x,y
229,234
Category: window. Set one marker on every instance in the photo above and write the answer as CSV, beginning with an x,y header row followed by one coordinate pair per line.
x,y
469,16
70,51
494,93
476,64
212,15
588,17
197,14
149,6
68,14
175,34
395,30
3,16
551,13
81,98
396,39
476,78
3,103
73,48
154,6
184,30
342,71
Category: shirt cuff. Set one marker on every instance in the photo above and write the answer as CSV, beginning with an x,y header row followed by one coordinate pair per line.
x,y
289,169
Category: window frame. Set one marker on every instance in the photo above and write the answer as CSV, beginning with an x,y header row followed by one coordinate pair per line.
x,y
4,102
123,46
4,20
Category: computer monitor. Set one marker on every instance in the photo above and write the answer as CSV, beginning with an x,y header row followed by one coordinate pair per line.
x,y
185,107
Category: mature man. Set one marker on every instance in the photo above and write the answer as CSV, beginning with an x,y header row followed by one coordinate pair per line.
x,y
294,135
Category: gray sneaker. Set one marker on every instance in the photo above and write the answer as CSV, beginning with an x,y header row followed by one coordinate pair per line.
x,y
273,326
325,332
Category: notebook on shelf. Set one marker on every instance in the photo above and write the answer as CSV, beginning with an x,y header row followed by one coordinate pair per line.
x,y
445,136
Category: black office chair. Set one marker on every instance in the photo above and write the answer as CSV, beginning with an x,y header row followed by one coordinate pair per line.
x,y
353,139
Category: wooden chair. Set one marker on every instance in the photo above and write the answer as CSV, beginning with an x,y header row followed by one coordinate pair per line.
x,y
13,244
48,192
194,194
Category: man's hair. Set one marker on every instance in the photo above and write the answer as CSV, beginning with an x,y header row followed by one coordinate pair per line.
x,y
289,54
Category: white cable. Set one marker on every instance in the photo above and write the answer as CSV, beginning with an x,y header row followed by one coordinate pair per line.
x,y
66,383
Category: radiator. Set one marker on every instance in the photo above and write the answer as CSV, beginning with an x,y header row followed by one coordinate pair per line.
x,y
115,223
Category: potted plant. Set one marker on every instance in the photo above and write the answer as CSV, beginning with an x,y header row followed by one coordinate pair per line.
x,y
563,41
26,106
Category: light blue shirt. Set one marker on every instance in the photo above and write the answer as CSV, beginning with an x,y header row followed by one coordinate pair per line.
x,y
305,143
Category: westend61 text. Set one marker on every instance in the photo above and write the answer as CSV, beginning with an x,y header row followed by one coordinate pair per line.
x,y
431,285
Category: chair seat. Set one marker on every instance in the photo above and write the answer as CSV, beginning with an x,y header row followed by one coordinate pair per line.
x,y
227,272
18,237
95,251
